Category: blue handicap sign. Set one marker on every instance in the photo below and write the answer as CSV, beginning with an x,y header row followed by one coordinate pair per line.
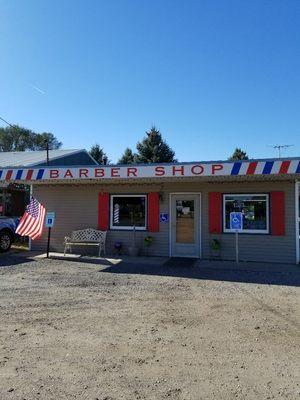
x,y
236,221
50,218
164,217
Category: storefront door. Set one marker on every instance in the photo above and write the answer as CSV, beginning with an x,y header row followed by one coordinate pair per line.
x,y
185,225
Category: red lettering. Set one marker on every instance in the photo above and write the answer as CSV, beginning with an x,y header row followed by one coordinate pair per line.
x,y
216,167
68,174
132,171
178,169
197,169
114,172
99,172
160,171
54,173
83,172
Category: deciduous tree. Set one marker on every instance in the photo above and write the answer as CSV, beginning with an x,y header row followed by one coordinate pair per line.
x,y
41,139
17,138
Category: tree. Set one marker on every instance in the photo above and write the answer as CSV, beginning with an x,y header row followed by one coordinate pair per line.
x,y
128,157
98,154
153,149
17,138
41,140
238,154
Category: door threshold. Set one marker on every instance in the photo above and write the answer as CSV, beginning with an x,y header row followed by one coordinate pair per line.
x,y
184,262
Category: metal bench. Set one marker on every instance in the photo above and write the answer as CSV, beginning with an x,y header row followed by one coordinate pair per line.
x,y
86,237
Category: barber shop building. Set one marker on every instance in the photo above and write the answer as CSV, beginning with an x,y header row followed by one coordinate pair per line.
x,y
176,210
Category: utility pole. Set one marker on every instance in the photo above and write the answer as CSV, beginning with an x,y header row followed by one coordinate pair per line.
x,y
281,146
47,152
47,149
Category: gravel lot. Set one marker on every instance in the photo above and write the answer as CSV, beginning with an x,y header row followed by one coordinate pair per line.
x,y
75,330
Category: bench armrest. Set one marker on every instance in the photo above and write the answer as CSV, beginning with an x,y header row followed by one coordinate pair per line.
x,y
67,239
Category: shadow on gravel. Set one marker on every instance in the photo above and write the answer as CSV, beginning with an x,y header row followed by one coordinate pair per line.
x,y
82,260
9,259
288,278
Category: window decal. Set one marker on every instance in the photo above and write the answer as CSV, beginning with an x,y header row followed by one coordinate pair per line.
x,y
255,210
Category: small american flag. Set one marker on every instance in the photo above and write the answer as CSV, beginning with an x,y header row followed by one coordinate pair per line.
x,y
32,222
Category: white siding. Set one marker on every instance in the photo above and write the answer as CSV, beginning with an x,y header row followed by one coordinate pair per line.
x,y
76,207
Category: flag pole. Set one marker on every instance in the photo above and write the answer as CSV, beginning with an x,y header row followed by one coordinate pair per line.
x,y
30,197
49,229
48,241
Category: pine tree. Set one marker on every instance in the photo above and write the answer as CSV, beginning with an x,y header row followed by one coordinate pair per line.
x,y
238,154
153,149
98,154
128,157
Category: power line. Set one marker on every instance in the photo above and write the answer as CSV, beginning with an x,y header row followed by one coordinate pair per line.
x,y
7,122
17,127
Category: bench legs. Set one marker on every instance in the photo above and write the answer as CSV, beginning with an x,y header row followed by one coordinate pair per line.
x,y
101,248
67,247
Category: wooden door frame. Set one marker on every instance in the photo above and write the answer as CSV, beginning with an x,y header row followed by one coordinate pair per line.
x,y
170,219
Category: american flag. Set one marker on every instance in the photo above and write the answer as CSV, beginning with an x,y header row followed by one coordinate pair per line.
x,y
32,222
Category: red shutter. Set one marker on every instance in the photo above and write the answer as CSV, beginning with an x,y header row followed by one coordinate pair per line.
x,y
277,213
215,212
153,212
103,211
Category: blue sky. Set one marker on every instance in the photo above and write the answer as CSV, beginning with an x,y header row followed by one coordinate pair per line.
x,y
211,75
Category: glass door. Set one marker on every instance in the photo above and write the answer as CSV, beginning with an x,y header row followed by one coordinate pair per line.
x,y
185,225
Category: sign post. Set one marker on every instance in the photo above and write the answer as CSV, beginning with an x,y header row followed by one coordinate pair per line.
x,y
236,224
50,218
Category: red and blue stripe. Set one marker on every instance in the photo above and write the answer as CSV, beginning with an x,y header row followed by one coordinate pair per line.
x,y
21,174
236,168
267,168
251,168
40,174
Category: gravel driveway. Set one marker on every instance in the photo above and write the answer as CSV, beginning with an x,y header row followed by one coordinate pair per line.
x,y
75,330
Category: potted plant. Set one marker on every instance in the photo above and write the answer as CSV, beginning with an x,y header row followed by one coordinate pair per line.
x,y
118,248
215,248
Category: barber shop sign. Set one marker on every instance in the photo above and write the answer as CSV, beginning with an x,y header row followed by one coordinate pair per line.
x,y
155,171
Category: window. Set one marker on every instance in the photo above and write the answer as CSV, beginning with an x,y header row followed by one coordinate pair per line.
x,y
127,211
255,209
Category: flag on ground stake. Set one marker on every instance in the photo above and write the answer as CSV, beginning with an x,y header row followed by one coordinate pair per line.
x,y
32,222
